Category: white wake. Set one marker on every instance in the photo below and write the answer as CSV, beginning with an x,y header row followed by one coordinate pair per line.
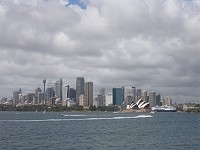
x,y
78,119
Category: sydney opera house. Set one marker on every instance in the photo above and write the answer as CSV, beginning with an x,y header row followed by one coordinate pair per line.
x,y
139,105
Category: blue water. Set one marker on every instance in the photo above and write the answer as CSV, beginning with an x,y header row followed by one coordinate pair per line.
x,y
99,131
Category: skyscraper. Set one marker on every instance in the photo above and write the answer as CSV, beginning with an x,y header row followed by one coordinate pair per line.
x,y
40,98
109,99
80,82
152,99
129,94
158,99
167,101
65,92
37,91
83,100
139,94
144,96
58,89
49,93
102,91
72,94
100,100
15,98
89,93
118,96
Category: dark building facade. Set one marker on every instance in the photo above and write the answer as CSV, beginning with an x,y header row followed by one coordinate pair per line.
x,y
117,96
80,82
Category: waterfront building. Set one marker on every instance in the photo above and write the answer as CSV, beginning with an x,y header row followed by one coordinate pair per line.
x,y
89,93
80,83
152,99
189,106
118,96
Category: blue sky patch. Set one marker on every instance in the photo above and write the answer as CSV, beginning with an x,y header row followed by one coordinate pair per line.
x,y
82,4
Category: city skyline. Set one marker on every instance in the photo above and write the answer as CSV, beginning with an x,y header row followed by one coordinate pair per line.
x,y
64,95
57,89
111,43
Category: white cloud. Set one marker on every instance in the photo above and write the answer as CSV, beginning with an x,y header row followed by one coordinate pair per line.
x,y
148,44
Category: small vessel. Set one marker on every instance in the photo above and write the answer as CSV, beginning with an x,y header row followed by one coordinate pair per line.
x,y
164,109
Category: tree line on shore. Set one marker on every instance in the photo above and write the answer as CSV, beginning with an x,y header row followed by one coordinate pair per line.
x,y
57,108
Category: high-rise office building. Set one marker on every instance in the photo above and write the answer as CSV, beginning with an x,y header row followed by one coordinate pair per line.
x,y
80,83
109,99
152,99
40,98
15,98
167,101
144,96
83,101
65,92
89,93
102,91
58,88
99,100
30,97
158,99
72,94
37,91
49,93
129,94
139,94
118,96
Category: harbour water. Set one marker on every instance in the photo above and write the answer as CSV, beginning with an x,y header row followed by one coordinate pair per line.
x,y
99,131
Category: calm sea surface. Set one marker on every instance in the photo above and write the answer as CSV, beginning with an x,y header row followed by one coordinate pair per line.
x,y
99,131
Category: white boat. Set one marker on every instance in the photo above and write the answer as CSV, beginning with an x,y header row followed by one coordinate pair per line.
x,y
164,109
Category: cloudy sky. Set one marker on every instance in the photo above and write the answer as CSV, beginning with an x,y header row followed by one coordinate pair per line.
x,y
150,44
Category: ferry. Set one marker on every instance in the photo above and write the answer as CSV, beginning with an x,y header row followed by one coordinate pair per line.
x,y
163,109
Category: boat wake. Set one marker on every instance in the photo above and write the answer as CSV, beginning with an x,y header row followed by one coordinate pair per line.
x,y
72,115
144,116
78,119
